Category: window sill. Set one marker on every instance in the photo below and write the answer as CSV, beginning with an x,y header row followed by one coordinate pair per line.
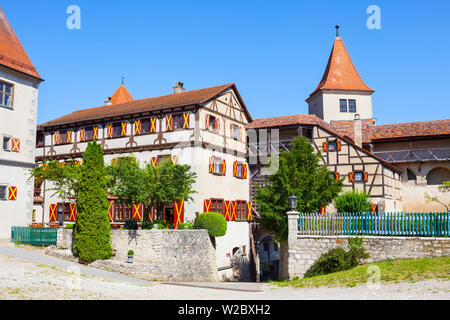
x,y
7,107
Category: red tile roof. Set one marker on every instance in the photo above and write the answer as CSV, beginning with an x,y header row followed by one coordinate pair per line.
x,y
340,73
310,119
181,99
347,128
12,54
121,96
411,129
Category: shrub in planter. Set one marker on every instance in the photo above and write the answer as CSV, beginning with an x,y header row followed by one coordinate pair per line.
x,y
130,252
185,224
147,225
214,222
69,226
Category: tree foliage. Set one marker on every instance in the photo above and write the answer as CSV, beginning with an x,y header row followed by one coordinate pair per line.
x,y
444,188
353,201
92,228
152,185
301,174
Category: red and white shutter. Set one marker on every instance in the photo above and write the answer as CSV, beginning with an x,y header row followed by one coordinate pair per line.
x,y
186,120
325,146
224,167
124,129
178,213
152,124
249,207
53,215
15,145
12,193
138,211
366,176
351,177
233,210
111,210
211,165
207,205
73,212
227,210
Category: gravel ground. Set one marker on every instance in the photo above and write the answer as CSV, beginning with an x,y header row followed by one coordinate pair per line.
x,y
21,278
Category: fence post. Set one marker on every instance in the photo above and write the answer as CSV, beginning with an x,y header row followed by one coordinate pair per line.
x,y
293,218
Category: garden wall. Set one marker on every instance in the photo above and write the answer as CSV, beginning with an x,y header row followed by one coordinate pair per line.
x,y
168,255
304,250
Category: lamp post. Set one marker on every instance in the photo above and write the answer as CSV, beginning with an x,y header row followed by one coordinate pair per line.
x,y
293,200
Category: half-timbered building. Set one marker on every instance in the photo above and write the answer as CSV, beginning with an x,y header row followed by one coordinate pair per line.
x,y
203,128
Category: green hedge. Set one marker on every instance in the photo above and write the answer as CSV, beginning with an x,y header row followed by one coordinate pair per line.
x,y
214,222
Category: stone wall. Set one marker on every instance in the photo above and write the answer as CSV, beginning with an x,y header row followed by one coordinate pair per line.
x,y
303,250
168,255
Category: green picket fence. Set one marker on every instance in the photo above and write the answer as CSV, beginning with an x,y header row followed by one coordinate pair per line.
x,y
423,224
34,236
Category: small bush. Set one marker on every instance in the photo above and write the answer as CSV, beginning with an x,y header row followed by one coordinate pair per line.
x,y
353,201
186,224
130,252
69,226
131,224
338,259
147,225
214,222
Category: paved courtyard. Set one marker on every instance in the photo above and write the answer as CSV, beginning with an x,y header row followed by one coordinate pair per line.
x,y
30,274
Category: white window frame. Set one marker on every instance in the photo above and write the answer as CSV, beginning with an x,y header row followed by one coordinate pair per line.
x,y
11,95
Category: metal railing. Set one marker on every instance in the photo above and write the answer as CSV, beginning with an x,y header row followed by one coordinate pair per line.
x,y
425,224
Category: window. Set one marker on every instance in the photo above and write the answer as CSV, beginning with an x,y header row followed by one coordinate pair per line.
x,y
343,105
307,132
90,133
241,170
217,166
63,211
122,212
6,91
63,137
40,139
236,132
3,195
146,125
359,176
332,146
241,211
217,206
7,143
352,106
213,124
117,129
177,121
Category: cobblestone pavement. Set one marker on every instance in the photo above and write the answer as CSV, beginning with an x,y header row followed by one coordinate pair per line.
x,y
30,274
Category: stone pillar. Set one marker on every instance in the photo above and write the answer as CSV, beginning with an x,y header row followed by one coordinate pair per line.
x,y
289,259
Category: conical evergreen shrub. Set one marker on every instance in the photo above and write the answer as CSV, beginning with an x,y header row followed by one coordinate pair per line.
x,y
92,232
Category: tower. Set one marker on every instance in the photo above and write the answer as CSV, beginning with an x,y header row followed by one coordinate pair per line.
x,y
341,94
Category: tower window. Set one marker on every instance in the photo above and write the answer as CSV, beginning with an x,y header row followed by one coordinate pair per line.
x,y
343,105
6,92
352,106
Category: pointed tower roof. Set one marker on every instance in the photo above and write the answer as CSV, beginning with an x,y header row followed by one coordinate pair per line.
x,y
340,73
12,54
121,95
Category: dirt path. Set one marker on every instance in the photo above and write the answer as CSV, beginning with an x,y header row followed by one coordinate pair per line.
x,y
21,278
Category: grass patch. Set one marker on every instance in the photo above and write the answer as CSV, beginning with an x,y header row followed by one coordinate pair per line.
x,y
393,271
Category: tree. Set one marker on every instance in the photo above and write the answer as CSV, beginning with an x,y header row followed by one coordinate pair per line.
x,y
152,185
92,228
64,177
301,174
353,201
444,188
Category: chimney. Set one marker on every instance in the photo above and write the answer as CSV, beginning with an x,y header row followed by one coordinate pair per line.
x,y
178,87
358,130
108,101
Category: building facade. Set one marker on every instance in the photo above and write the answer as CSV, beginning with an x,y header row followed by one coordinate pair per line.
x,y
19,84
202,128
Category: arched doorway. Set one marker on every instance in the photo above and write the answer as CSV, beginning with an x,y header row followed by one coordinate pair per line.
x,y
438,175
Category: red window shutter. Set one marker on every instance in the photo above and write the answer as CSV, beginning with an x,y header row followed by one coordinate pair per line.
x,y
110,131
154,161
235,169
174,159
325,146
234,211
224,167
152,124
178,213
53,212
137,127
351,177
73,212
207,122
124,129
244,171
217,124
207,205
12,193
138,211
186,120
169,123
82,134
366,177
337,176
232,130
227,210
95,136
15,145
57,137
323,210
111,210
339,145
249,211
211,165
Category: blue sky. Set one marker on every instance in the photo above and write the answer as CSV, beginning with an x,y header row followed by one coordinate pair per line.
x,y
275,51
